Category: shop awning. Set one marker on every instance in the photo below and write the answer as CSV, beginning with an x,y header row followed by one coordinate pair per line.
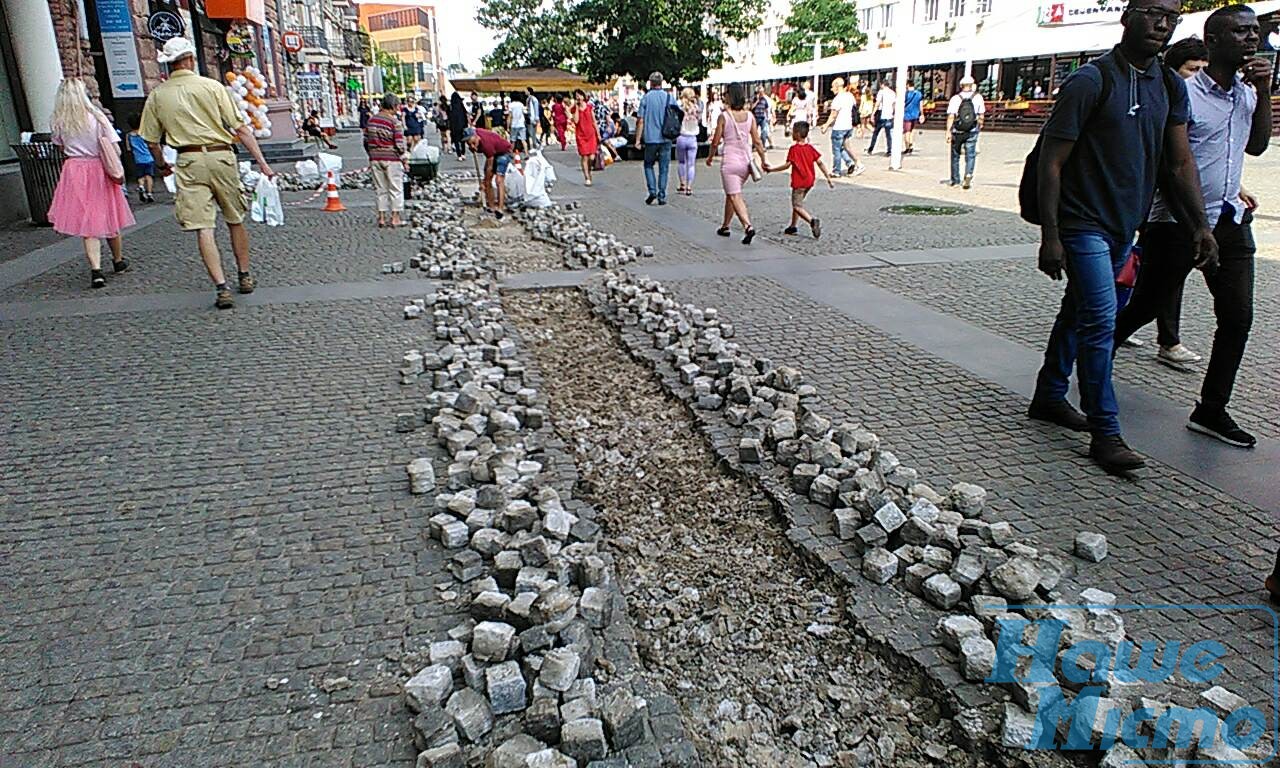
x,y
1014,37
530,77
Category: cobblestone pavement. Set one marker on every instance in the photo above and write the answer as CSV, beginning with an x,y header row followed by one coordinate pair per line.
x,y
1013,299
199,505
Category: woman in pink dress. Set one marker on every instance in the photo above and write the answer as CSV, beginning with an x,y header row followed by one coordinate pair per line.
x,y
585,133
560,119
87,203
739,133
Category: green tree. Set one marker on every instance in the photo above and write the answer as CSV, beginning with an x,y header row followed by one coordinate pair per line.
x,y
536,34
1191,6
684,39
393,73
835,22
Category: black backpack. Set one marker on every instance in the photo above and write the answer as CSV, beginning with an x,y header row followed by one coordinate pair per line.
x,y
1029,186
966,118
671,120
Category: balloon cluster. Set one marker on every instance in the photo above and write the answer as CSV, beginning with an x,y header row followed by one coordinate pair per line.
x,y
247,89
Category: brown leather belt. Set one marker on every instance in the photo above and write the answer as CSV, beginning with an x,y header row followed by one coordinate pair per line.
x,y
205,148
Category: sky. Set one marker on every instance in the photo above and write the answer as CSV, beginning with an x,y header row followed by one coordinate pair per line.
x,y
461,38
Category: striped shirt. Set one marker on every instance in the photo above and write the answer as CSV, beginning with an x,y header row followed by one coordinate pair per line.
x,y
384,138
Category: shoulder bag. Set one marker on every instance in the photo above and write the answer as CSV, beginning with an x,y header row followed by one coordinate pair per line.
x,y
109,151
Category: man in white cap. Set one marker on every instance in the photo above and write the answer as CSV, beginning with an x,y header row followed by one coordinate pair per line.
x,y
965,115
195,116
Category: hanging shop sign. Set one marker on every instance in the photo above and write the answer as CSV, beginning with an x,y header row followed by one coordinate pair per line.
x,y
115,22
310,85
239,39
164,26
1057,13
291,41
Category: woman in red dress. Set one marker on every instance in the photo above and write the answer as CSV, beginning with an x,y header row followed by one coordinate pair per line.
x,y
560,119
586,133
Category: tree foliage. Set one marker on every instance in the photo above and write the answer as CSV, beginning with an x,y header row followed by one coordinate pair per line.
x,y
393,73
684,39
835,22
1191,6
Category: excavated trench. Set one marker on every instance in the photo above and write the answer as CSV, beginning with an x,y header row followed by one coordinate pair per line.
x,y
745,635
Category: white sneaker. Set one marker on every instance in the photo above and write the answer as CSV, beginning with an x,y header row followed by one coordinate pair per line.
x,y
859,169
1133,341
1178,354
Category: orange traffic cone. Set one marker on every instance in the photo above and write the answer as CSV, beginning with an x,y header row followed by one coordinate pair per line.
x,y
332,203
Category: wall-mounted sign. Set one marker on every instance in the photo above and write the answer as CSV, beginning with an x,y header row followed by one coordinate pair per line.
x,y
239,39
1055,13
291,41
310,85
120,52
164,26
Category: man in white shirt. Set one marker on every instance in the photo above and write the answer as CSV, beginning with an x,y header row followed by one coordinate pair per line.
x,y
840,120
516,124
886,102
965,114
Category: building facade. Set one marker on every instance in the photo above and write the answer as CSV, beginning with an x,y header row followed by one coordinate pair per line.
x,y
758,48
410,34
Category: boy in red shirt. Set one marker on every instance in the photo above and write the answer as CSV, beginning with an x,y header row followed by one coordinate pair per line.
x,y
800,159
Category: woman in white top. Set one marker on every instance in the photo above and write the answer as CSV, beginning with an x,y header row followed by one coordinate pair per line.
x,y
802,108
714,108
687,141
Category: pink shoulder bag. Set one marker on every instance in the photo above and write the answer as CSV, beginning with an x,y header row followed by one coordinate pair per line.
x,y
108,151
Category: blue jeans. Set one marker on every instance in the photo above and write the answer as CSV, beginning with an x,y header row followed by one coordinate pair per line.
x,y
661,154
839,154
763,124
969,146
1083,334
887,127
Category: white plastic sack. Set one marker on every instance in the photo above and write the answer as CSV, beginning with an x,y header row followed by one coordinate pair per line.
x,y
515,185
420,150
535,181
308,172
266,206
171,158
333,163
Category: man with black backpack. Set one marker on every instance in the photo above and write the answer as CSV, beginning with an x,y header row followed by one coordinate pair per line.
x,y
1230,117
1118,122
657,125
965,114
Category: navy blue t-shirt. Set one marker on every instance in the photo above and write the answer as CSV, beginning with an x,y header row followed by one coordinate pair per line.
x,y
1109,180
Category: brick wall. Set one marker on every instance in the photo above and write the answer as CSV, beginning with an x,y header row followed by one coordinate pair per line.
x,y
74,52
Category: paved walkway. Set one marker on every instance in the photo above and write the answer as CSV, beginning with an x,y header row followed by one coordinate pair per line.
x,y
949,395
199,505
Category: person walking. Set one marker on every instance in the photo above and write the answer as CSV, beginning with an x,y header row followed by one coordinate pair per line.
x,y
840,122
497,158
713,108
365,114
458,124
195,115
911,114
535,117
586,134
966,113
762,111
1228,119
385,144
143,163
740,135
414,122
657,147
1095,179
886,103
687,142
803,109
440,118
801,158
517,119
87,202
866,112
560,116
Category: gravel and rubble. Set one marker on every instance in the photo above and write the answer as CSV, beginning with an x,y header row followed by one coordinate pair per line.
x,y
937,544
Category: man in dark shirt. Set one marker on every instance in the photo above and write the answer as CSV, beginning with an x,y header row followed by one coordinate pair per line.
x,y
1118,122
497,153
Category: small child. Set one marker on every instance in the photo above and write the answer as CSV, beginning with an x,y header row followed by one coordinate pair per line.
x,y
142,160
800,159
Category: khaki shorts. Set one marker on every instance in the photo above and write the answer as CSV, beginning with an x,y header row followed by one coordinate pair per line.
x,y
797,197
205,179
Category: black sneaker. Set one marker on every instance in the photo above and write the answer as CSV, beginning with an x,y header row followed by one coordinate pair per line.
x,y
649,200
1220,425
816,226
96,280
662,201
120,266
790,231
1112,454
1060,413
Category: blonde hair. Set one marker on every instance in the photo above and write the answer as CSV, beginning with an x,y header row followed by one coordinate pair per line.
x,y
689,98
72,110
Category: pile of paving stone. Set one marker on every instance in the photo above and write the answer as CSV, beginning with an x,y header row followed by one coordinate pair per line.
x,y
584,245
359,178
526,681
937,545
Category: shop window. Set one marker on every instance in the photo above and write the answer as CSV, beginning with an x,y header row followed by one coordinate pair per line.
x,y
982,7
957,8
931,10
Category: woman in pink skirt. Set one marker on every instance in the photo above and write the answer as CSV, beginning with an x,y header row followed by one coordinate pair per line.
x,y
87,203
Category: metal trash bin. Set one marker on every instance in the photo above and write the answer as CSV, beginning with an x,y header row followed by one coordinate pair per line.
x,y
41,164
